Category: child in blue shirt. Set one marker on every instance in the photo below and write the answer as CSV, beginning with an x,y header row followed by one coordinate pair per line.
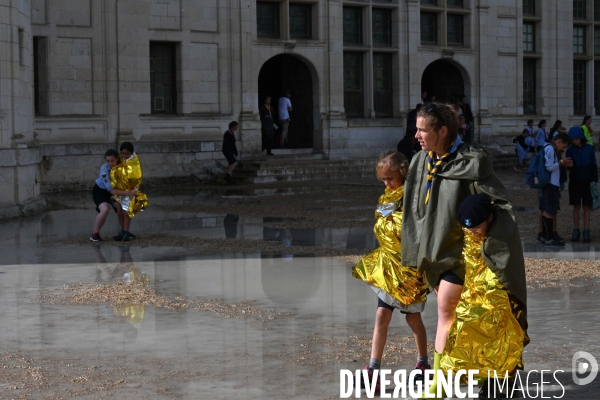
x,y
102,192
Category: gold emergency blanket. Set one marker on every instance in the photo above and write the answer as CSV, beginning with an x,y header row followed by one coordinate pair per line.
x,y
382,268
127,175
489,331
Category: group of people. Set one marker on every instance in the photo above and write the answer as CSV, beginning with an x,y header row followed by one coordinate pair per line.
x,y
566,156
118,187
445,224
267,123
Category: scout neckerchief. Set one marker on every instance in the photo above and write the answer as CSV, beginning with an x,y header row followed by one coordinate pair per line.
x,y
433,166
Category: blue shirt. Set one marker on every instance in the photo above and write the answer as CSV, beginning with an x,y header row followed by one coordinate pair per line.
x,y
103,180
541,137
552,164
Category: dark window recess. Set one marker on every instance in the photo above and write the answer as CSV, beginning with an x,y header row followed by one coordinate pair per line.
x,y
596,10
429,2
352,25
455,29
382,27
579,9
579,105
300,21
578,40
529,7
353,84
455,3
382,85
529,37
163,77
529,86
597,41
267,19
40,75
429,28
597,86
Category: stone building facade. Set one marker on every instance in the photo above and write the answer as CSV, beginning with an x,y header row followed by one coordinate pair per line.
x,y
80,76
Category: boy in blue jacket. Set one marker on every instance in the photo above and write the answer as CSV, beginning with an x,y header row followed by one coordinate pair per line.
x,y
582,173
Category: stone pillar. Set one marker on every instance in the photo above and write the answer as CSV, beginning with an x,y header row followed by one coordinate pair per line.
x,y
484,65
19,154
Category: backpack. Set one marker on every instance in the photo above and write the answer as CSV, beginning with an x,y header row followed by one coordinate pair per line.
x,y
537,175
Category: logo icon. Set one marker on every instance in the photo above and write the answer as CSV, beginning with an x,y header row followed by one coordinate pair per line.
x,y
584,363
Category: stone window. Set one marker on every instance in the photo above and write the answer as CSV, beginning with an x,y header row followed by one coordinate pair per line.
x,y
579,40
429,28
40,75
579,9
443,23
528,7
455,29
597,10
163,77
353,26
353,84
369,90
597,86
529,37
529,86
382,27
429,2
382,84
300,21
267,19
579,105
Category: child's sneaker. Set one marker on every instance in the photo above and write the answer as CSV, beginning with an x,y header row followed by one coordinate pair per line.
x,y
119,237
362,382
422,367
586,236
126,237
95,237
575,235
131,235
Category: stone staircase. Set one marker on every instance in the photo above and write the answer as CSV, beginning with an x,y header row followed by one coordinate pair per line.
x,y
299,166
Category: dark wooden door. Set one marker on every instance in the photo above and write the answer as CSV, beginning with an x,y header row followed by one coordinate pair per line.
x,y
285,72
443,80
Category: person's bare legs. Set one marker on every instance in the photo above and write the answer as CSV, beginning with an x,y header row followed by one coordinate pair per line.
x,y
383,317
121,216
576,217
126,221
448,295
230,168
586,218
418,328
101,217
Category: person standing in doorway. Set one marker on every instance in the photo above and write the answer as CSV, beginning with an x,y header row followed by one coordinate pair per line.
x,y
285,106
466,109
267,125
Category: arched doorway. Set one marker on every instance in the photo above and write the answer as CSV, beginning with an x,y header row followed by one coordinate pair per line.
x,y
286,72
444,80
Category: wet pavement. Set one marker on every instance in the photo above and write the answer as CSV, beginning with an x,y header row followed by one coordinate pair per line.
x,y
277,327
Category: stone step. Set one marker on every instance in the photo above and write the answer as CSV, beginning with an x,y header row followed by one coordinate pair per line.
x,y
297,170
303,177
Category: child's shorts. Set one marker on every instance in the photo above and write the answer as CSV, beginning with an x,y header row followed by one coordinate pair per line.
x,y
404,309
550,200
580,194
101,196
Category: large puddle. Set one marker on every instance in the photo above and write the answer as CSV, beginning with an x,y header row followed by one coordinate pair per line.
x,y
321,308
